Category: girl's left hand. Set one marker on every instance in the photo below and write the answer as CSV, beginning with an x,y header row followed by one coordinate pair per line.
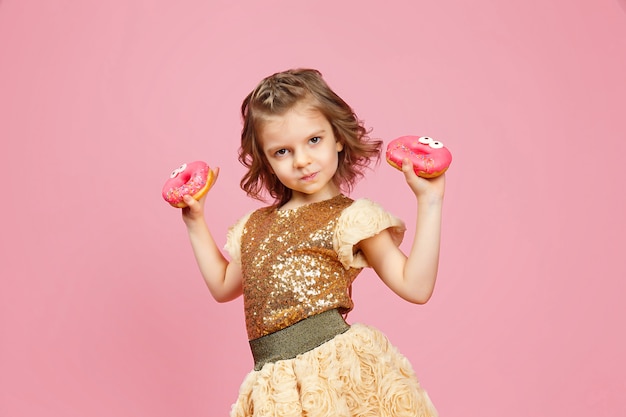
x,y
429,188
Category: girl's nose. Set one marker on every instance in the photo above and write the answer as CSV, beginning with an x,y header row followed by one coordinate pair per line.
x,y
301,159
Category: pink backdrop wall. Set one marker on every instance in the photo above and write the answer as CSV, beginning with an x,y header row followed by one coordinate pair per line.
x,y
102,310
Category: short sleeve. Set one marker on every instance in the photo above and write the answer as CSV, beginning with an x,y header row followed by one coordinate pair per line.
x,y
233,239
361,220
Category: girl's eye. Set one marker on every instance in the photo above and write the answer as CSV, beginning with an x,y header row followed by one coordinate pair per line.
x,y
315,139
281,152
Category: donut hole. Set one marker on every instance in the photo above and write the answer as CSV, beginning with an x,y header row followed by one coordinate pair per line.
x,y
184,177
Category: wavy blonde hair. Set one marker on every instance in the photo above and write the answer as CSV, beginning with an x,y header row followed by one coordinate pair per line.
x,y
277,94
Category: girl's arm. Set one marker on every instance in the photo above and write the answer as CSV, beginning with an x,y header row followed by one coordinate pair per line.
x,y
413,277
223,278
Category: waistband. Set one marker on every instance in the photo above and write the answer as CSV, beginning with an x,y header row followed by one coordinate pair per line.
x,y
298,338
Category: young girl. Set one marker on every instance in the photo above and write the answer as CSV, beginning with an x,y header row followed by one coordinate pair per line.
x,y
295,261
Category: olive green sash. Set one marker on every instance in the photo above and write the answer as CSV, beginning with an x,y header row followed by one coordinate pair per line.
x,y
298,338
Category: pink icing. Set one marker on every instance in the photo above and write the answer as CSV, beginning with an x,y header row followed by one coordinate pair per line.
x,y
188,182
427,161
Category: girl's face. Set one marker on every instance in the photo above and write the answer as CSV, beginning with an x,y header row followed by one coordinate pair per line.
x,y
303,153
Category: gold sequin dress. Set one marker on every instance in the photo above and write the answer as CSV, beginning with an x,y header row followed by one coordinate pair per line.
x,y
299,263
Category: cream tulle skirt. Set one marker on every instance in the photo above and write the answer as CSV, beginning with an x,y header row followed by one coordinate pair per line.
x,y
357,373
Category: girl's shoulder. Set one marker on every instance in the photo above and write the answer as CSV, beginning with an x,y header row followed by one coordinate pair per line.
x,y
361,220
364,209
233,237
241,222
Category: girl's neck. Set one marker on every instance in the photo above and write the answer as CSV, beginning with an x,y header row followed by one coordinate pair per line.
x,y
301,199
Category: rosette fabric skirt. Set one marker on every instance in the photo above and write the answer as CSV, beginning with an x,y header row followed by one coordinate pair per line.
x,y
357,373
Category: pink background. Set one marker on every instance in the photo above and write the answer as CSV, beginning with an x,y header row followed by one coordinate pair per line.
x,y
102,310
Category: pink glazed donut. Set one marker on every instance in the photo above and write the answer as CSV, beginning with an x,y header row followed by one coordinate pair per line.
x,y
194,178
430,158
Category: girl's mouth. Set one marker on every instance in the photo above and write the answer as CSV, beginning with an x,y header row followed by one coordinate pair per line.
x,y
309,177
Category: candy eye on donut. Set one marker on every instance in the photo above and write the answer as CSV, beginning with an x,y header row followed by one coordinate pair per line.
x,y
178,170
425,140
435,144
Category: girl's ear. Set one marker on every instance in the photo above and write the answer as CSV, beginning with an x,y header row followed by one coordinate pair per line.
x,y
339,146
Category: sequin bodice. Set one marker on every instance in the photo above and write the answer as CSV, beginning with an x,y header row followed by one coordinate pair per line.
x,y
290,269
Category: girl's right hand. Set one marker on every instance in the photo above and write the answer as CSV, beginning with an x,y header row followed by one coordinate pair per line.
x,y
194,211
423,188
